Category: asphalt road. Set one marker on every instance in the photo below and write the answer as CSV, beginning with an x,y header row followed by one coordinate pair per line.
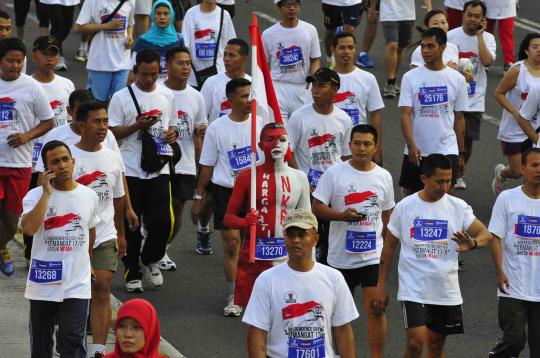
x,y
191,301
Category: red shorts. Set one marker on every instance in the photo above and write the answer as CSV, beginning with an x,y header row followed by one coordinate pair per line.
x,y
246,274
13,187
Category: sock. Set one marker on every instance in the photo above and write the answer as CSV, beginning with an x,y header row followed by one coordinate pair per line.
x,y
96,348
230,288
83,46
201,228
391,81
362,53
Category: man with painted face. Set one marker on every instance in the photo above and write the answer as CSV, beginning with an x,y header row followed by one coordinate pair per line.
x,y
280,189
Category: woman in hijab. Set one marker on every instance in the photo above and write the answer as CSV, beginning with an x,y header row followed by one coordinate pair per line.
x,y
137,331
161,36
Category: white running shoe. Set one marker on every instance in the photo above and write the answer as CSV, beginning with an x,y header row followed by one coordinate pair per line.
x,y
61,65
166,264
134,286
498,184
153,275
232,310
460,184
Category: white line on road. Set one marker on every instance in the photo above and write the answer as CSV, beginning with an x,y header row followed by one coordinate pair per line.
x,y
266,17
528,22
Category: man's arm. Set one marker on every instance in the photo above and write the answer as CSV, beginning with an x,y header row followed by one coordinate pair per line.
x,y
387,257
130,215
323,211
93,28
483,52
385,216
257,342
375,119
17,139
31,222
477,236
198,139
204,179
314,64
459,129
232,219
119,217
405,115
92,236
345,341
496,254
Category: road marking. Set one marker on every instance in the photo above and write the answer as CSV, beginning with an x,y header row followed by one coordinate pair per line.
x,y
490,119
266,17
528,22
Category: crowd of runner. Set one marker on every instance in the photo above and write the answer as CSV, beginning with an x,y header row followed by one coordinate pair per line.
x,y
103,173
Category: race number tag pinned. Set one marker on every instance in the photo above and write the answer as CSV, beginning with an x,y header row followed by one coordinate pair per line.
x,y
360,242
528,227
45,271
430,230
354,114
270,248
304,348
36,152
433,96
205,50
162,147
290,56
313,177
240,158
471,88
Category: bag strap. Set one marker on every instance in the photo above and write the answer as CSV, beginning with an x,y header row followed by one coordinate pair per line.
x,y
134,99
218,36
111,15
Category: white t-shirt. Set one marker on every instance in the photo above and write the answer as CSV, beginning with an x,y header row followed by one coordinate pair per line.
x,y
509,129
516,221
397,10
428,260
23,105
455,4
225,2
68,136
289,50
200,32
122,112
227,148
108,51
215,98
500,9
531,107
358,93
190,112
60,2
101,171
353,245
450,55
60,264
468,48
342,2
434,96
318,141
58,91
299,309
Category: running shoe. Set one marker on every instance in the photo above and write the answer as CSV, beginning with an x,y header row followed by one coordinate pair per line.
x,y
61,65
98,355
389,91
134,286
204,247
166,264
460,184
152,274
6,263
81,55
232,310
397,89
363,60
330,62
498,184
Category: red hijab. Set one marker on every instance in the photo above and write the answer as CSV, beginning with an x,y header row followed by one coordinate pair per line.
x,y
143,312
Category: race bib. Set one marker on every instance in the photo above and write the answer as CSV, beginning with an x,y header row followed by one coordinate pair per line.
x,y
360,242
430,230
290,56
528,227
354,114
270,248
240,158
205,50
45,271
162,147
117,17
306,348
6,114
162,64
471,88
36,152
313,177
433,96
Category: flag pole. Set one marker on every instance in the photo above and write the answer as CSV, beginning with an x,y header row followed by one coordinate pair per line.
x,y
253,192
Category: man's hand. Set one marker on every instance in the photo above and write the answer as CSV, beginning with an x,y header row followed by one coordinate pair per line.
x,y
351,215
252,218
46,178
171,136
415,155
482,27
145,122
502,283
464,241
129,42
380,300
122,246
196,210
114,24
17,139
132,219
200,131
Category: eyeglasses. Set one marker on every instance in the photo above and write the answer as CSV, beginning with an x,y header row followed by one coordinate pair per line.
x,y
291,5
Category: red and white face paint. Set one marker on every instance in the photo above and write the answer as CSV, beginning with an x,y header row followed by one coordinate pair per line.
x,y
274,144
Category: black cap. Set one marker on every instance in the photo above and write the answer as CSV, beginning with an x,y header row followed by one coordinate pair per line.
x,y
324,75
46,44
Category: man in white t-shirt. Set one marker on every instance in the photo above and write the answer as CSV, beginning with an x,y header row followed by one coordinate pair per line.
x,y
149,191
293,52
191,126
432,227
515,224
479,46
25,114
202,26
299,308
397,21
59,279
357,198
109,56
454,9
503,13
101,169
433,98
222,159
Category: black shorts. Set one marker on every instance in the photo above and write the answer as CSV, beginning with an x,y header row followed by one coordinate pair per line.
x,y
183,186
220,199
472,125
367,276
335,16
410,173
513,148
443,320
229,8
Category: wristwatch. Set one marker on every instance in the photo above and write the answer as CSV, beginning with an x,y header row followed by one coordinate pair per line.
x,y
198,197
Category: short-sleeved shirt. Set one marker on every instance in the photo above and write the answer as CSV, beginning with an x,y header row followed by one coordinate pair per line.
x,y
215,98
397,10
450,55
